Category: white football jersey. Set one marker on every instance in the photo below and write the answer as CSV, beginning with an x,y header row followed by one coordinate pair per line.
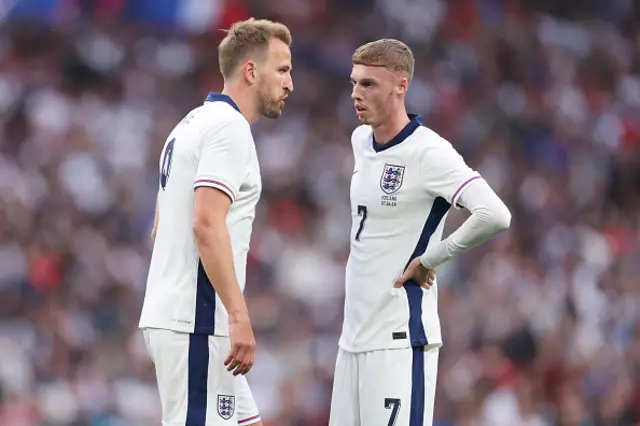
x,y
401,193
212,146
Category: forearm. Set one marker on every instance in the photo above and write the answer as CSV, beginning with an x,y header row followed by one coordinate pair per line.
x,y
214,247
155,223
489,216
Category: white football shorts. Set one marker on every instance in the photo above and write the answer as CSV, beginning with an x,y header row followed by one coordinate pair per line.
x,y
391,387
195,387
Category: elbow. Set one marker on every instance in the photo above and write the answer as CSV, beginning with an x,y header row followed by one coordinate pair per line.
x,y
502,218
496,219
201,229
205,227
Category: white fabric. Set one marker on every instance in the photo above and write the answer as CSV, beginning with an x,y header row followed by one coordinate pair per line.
x,y
396,194
212,146
489,216
367,386
175,365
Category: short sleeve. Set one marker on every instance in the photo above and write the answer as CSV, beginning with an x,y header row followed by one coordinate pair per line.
x,y
223,158
445,172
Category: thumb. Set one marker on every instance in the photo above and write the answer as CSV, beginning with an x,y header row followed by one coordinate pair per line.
x,y
404,277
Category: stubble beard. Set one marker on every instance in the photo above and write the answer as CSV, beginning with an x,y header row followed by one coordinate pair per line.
x,y
268,107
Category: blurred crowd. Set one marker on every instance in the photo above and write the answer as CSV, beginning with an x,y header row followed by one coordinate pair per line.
x,y
541,326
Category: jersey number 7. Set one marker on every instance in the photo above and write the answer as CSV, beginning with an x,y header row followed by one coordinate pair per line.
x,y
392,404
362,211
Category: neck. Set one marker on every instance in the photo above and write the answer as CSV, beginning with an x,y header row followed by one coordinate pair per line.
x,y
392,126
245,100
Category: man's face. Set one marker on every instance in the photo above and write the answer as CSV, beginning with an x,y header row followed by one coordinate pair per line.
x,y
375,93
274,82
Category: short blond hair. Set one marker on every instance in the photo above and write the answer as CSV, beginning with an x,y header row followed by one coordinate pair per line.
x,y
246,37
387,53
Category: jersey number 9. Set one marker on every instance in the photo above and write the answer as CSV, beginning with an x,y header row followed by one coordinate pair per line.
x,y
166,164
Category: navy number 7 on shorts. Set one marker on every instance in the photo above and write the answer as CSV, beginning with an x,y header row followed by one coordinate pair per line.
x,y
392,404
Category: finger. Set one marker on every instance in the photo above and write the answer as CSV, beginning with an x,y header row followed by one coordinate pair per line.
x,y
426,283
243,363
243,369
251,360
251,353
233,353
237,359
408,273
400,281
234,365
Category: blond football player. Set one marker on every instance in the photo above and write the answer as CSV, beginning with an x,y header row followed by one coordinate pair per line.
x,y
194,317
405,179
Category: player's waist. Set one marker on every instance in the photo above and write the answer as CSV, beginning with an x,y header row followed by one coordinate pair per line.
x,y
390,333
355,346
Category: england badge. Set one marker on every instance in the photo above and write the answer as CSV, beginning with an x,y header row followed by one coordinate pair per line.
x,y
391,179
226,406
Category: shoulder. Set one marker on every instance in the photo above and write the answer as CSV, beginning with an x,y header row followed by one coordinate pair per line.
x,y
429,138
361,135
221,117
438,156
430,142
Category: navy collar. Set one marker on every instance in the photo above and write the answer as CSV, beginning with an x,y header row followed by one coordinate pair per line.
x,y
415,122
218,97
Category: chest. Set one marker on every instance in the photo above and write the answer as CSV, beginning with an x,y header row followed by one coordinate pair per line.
x,y
387,184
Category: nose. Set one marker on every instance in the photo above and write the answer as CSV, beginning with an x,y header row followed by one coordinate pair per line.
x,y
354,94
288,85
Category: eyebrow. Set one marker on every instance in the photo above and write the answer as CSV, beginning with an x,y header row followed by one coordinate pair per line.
x,y
364,80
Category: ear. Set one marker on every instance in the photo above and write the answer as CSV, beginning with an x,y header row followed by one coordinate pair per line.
x,y
403,86
249,72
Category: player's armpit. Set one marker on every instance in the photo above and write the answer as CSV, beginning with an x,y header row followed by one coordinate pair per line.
x,y
489,216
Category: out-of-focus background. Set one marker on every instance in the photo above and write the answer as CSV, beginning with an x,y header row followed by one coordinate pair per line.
x,y
541,326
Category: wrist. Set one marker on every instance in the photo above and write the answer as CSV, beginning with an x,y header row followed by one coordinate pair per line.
x,y
425,261
435,255
238,314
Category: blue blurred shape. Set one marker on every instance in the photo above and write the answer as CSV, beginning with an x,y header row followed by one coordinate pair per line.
x,y
160,12
42,10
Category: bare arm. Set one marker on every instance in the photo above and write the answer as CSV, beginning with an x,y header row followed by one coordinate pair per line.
x,y
209,225
214,245
155,224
